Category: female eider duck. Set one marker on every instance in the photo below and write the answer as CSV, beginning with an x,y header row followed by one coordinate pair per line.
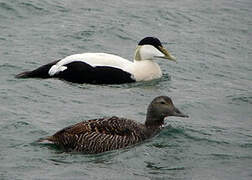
x,y
105,134
103,68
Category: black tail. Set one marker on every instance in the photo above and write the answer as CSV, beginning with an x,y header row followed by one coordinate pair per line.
x,y
41,72
23,75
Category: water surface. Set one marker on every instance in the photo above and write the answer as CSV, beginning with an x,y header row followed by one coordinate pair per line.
x,y
212,82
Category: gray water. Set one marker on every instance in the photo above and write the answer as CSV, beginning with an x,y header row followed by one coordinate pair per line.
x,y
212,83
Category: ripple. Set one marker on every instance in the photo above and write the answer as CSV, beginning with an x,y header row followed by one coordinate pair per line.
x,y
31,6
7,9
7,66
203,134
170,130
154,166
240,99
205,138
5,6
16,125
226,156
246,145
83,35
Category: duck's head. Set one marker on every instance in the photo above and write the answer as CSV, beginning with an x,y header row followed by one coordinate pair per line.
x,y
159,108
149,48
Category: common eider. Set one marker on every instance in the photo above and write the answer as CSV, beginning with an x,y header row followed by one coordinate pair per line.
x,y
105,134
103,68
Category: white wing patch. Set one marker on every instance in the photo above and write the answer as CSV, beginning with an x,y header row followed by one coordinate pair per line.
x,y
55,69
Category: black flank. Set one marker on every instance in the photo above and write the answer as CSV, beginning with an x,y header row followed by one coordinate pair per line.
x,y
80,72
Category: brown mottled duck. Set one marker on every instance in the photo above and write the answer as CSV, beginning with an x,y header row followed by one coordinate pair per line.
x,y
105,134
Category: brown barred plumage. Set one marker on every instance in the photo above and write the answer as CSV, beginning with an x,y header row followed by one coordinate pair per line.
x,y
105,134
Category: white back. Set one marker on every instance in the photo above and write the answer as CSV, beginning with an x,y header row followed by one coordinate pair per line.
x,y
93,59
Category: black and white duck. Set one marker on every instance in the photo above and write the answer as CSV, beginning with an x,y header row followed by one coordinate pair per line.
x,y
103,68
105,134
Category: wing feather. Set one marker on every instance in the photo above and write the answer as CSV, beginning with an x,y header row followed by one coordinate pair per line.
x,y
99,135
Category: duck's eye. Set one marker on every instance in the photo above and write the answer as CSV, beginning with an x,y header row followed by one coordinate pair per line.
x,y
162,102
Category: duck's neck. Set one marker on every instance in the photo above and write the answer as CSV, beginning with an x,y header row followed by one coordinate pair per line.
x,y
154,122
137,55
153,119
152,127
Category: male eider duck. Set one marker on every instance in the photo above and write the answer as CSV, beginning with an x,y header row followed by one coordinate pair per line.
x,y
105,134
103,68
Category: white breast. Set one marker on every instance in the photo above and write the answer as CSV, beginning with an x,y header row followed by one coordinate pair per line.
x,y
145,70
